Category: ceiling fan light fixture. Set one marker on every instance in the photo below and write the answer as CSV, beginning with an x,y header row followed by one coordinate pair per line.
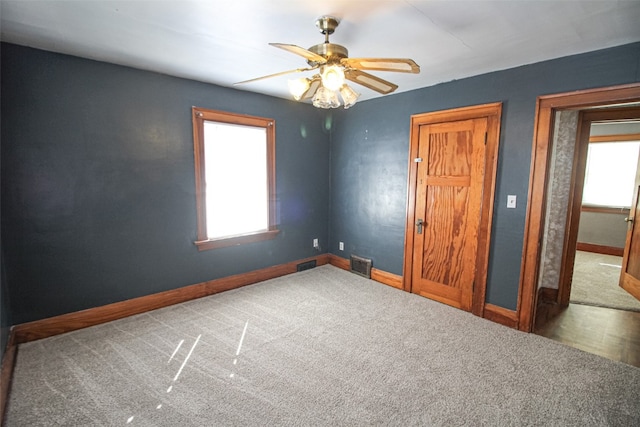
x,y
349,96
325,98
334,64
298,87
333,77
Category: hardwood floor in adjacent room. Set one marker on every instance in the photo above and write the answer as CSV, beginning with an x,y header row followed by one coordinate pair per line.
x,y
610,333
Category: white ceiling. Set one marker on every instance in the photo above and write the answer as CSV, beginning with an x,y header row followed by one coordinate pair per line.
x,y
223,42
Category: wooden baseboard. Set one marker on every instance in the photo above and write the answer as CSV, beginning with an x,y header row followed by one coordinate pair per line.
x,y
548,295
600,249
44,328
6,374
381,276
501,315
339,262
390,279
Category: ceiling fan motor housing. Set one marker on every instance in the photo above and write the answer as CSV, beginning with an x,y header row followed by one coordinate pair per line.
x,y
332,52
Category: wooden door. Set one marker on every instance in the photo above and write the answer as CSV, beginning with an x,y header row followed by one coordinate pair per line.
x,y
630,274
448,237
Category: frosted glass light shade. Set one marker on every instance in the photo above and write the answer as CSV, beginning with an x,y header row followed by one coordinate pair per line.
x,y
297,87
325,98
349,96
333,77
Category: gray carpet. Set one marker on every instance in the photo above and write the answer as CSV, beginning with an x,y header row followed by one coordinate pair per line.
x,y
595,282
322,347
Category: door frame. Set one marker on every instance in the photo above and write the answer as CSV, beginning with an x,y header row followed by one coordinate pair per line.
x,y
493,113
546,107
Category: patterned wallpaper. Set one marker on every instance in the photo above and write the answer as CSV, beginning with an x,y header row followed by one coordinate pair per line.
x,y
558,191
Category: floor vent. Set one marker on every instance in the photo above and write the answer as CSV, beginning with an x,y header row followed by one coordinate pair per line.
x,y
361,266
306,265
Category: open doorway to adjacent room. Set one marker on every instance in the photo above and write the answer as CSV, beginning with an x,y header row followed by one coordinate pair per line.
x,y
607,195
561,255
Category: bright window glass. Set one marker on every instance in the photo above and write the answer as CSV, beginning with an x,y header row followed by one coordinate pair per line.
x,y
235,179
610,174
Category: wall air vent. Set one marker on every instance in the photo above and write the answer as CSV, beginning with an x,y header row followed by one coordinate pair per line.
x,y
361,266
306,265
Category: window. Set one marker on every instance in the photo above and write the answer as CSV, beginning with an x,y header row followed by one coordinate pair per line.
x,y
610,174
235,178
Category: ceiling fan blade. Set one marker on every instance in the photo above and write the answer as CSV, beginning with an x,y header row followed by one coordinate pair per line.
x,y
372,82
401,65
282,73
314,84
306,54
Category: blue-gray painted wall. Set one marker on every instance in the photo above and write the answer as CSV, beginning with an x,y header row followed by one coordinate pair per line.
x,y
98,199
5,318
370,147
98,191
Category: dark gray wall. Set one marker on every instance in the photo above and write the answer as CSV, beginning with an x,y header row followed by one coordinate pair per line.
x,y
98,193
370,146
98,200
5,318
607,229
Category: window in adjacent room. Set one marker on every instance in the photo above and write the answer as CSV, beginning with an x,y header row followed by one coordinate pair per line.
x,y
235,178
610,174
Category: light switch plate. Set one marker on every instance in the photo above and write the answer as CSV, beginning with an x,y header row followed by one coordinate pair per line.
x,y
511,201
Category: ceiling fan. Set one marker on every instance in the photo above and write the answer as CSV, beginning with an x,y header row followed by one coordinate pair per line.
x,y
335,66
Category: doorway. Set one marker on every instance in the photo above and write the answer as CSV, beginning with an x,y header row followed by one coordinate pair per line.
x,y
586,120
546,109
580,324
608,190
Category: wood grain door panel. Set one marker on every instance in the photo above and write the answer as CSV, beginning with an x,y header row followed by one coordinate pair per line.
x,y
450,181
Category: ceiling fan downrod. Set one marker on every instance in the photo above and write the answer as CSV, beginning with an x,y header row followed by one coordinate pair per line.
x,y
332,52
327,25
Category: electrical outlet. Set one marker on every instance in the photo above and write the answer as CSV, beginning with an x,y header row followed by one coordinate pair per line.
x,y
315,243
341,246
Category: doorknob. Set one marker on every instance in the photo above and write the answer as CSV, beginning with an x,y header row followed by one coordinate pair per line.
x,y
628,219
419,225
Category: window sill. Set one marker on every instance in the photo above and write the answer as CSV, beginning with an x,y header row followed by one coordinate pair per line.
x,y
205,245
606,209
